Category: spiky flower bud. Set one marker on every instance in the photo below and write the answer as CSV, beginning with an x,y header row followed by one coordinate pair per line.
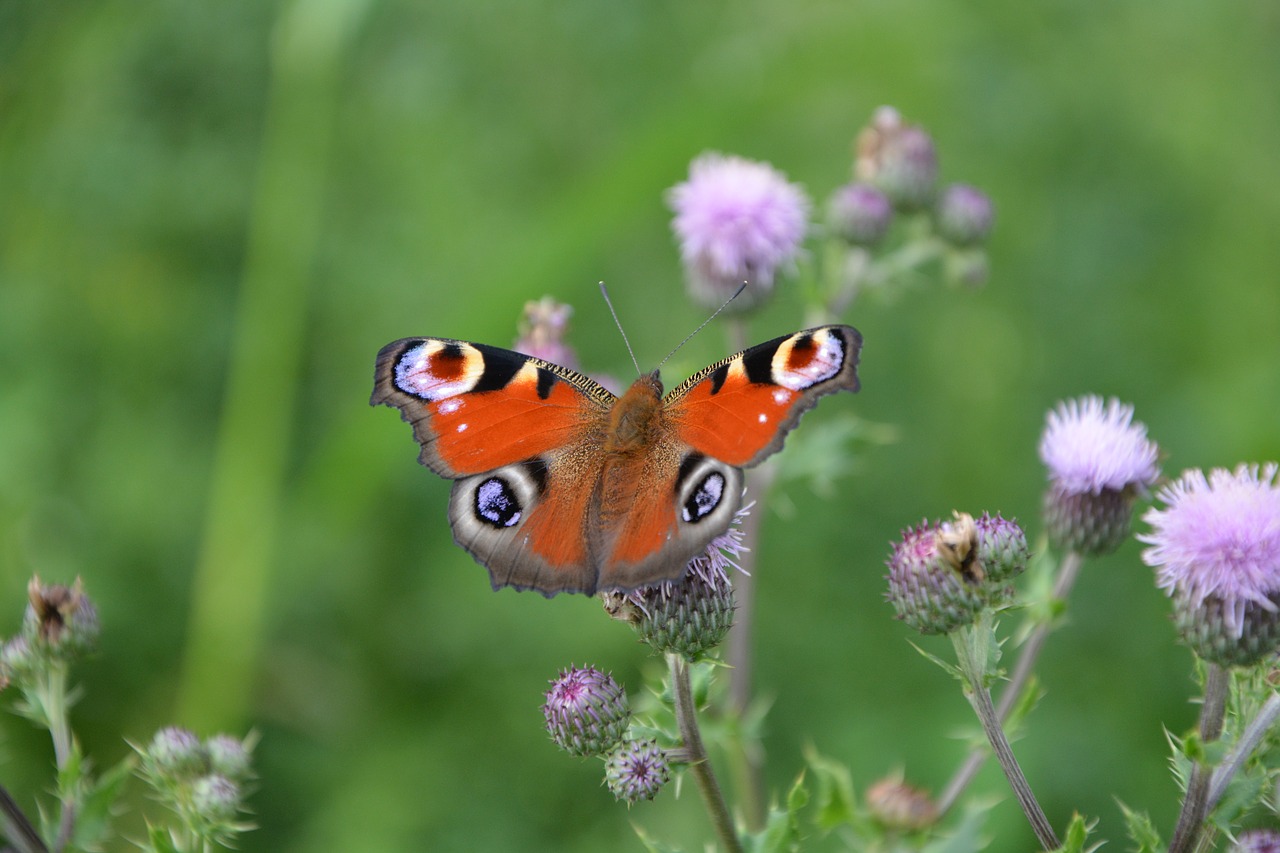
x,y
1002,548
1099,460
176,754
964,215
60,621
932,586
691,616
229,756
859,214
636,770
1216,550
586,711
215,798
897,805
17,660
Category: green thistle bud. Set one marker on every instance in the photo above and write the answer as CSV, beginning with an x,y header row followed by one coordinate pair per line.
x,y
860,214
586,712
175,755
689,617
229,757
934,585
215,799
1242,634
1002,548
636,770
964,215
17,661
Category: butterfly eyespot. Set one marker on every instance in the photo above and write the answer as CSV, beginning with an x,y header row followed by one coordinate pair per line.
x,y
706,496
497,503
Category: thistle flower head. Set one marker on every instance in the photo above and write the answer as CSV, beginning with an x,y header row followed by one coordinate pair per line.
x,y
897,805
61,621
1098,461
737,221
964,215
636,770
933,585
175,754
1002,548
898,158
859,213
1258,841
1216,548
586,711
692,615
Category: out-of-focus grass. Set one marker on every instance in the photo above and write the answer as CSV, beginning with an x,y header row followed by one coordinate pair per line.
x,y
476,155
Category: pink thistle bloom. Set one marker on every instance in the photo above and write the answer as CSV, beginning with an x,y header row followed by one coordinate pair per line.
x,y
737,220
1088,447
1219,537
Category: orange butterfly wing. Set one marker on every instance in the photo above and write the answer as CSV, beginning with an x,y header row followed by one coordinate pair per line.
x,y
740,410
518,435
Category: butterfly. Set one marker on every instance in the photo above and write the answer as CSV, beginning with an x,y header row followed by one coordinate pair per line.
x,y
560,486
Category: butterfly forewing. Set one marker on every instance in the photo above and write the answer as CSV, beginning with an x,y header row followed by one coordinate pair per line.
x,y
741,409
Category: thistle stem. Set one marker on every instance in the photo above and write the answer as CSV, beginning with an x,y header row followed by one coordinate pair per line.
x,y
1068,571
18,830
1195,806
970,644
1249,740
696,753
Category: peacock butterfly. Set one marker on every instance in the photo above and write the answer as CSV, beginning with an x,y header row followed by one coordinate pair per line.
x,y
560,486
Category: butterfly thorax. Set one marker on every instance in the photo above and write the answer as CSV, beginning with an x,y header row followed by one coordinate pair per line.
x,y
636,419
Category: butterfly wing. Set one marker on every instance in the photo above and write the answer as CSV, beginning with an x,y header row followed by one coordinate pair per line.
x,y
521,437
740,410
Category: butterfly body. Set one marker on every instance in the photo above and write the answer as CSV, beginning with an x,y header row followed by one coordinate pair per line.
x,y
560,486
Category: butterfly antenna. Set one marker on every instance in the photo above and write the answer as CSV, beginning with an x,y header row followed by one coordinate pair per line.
x,y
741,288
604,291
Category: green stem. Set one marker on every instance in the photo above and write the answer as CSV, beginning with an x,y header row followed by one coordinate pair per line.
x,y
1068,571
1195,806
972,645
1249,740
696,754
18,830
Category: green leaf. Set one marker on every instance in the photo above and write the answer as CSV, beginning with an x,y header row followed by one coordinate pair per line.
x,y
835,798
967,836
161,840
94,820
651,844
781,831
1076,835
1141,831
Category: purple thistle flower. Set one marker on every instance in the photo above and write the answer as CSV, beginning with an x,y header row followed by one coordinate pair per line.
x,y
1218,541
1099,460
932,587
737,221
1258,841
636,770
1089,448
586,711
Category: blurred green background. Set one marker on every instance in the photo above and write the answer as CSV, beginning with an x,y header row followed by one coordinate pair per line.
x,y
212,215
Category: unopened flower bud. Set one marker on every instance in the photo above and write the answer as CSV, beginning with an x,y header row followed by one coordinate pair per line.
x,y
860,214
176,754
229,756
927,588
586,712
898,158
964,215
215,798
897,805
636,770
61,619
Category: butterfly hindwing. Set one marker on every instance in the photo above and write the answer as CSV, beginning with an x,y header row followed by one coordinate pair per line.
x,y
740,410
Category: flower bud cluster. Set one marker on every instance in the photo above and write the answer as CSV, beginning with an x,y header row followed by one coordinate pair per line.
x,y
60,625
942,575
204,781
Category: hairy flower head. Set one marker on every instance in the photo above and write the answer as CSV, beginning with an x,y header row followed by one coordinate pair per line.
x,y
1218,537
737,221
